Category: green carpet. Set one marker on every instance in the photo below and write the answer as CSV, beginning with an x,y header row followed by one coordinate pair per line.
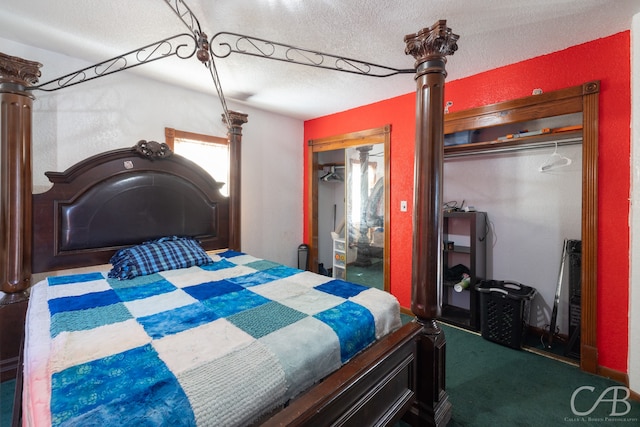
x,y
6,402
492,385
371,275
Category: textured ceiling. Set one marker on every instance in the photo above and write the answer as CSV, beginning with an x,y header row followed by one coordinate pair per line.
x,y
492,34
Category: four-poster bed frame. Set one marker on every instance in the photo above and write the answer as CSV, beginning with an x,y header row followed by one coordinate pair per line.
x,y
402,375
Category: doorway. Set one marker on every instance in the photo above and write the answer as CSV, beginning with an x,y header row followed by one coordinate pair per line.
x,y
349,205
573,100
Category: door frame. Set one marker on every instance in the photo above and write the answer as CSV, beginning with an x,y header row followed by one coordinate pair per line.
x,y
576,99
381,135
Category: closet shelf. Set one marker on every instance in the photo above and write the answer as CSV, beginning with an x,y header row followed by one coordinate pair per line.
x,y
516,144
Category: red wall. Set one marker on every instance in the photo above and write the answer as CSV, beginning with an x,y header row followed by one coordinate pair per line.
x,y
607,60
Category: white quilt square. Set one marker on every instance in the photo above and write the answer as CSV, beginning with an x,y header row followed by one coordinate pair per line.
x,y
312,301
310,280
73,348
384,307
280,289
320,357
183,277
234,389
77,288
193,347
159,303
243,259
192,276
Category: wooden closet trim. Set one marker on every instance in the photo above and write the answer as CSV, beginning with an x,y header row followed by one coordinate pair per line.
x,y
583,98
338,142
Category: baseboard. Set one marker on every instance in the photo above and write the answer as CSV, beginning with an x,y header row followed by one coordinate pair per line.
x,y
612,374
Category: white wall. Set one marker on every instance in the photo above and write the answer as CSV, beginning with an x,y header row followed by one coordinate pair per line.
x,y
530,215
634,282
119,110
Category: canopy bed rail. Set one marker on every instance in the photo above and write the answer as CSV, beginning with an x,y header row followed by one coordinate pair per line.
x,y
233,43
400,376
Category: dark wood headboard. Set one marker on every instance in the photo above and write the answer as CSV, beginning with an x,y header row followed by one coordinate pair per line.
x,y
121,198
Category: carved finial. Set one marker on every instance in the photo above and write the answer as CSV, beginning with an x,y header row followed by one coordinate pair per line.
x,y
436,41
203,49
153,150
18,70
237,120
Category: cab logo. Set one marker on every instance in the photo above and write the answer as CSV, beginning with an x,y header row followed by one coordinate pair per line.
x,y
615,396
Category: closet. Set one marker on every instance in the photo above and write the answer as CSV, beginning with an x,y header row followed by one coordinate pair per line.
x,y
551,134
349,202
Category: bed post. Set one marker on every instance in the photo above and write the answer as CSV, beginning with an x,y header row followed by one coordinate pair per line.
x,y
429,47
16,75
235,138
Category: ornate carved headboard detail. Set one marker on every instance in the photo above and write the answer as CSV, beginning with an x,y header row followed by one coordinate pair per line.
x,y
124,197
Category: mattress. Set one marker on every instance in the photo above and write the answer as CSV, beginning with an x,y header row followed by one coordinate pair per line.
x,y
219,344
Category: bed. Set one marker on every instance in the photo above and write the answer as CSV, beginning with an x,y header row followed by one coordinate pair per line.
x,y
396,372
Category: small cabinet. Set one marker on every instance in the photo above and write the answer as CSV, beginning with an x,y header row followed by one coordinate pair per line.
x,y
464,250
339,259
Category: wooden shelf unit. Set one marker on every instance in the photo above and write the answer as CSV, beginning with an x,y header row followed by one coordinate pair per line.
x,y
468,233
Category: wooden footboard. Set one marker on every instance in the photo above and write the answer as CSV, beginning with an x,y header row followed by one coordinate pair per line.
x,y
375,389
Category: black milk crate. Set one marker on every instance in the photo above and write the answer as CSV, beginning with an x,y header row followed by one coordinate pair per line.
x,y
504,311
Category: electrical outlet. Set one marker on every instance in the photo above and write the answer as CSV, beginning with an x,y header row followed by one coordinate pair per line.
x,y
403,206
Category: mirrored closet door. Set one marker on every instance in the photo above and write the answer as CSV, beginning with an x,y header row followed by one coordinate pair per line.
x,y
349,206
364,218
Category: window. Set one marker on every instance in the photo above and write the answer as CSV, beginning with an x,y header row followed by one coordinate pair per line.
x,y
211,153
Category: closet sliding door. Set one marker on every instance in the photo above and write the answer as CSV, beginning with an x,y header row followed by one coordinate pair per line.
x,y
360,218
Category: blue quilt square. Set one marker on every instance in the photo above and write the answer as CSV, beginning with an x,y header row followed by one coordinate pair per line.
x,y
267,318
262,264
145,290
354,325
136,281
282,271
230,254
235,302
265,276
341,288
135,382
177,320
253,279
74,278
82,320
218,265
212,289
83,302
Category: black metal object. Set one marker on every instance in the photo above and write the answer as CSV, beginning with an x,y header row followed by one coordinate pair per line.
x,y
574,251
187,45
303,257
247,45
181,45
553,328
189,19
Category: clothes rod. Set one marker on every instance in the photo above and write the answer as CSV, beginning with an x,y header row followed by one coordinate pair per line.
x,y
496,149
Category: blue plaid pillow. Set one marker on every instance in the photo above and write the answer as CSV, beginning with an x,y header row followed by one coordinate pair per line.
x,y
167,253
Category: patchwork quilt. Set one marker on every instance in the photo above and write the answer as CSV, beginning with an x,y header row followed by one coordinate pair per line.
x,y
218,344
